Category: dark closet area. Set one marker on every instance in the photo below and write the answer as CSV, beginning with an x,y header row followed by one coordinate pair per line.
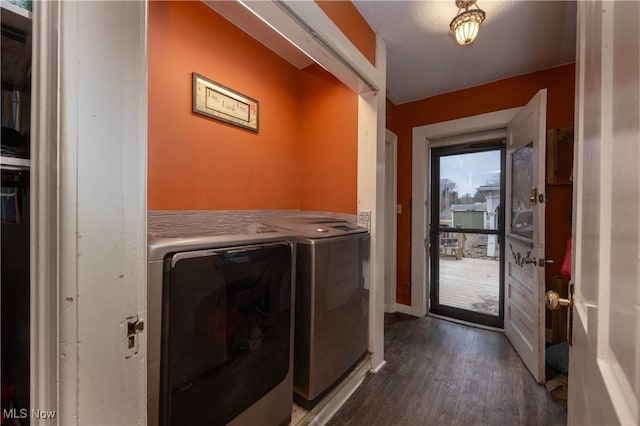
x,y
15,210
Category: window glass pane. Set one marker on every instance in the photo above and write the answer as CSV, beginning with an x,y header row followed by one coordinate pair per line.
x,y
470,190
521,185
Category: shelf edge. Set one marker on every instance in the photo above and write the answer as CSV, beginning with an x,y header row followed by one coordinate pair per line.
x,y
24,163
10,7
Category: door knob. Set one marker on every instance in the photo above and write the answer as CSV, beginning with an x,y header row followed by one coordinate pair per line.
x,y
543,262
554,301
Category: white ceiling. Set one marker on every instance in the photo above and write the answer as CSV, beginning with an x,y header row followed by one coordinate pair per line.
x,y
423,58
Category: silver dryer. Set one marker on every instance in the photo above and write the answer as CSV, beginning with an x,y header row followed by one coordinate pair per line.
x,y
332,301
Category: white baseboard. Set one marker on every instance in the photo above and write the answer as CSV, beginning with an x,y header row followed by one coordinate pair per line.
x,y
379,367
405,309
470,324
322,413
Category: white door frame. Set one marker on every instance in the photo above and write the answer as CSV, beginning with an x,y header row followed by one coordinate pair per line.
x,y
422,137
604,359
44,221
88,216
391,219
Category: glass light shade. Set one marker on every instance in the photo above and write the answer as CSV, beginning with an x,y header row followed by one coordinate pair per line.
x,y
466,25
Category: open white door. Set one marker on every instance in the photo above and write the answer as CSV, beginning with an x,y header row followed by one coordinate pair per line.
x,y
604,359
524,232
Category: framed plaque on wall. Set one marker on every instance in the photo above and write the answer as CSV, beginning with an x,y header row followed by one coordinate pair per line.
x,y
216,101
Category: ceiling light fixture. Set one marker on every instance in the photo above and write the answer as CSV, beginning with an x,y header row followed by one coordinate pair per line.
x,y
466,24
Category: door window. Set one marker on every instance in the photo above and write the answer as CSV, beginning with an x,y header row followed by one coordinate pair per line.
x,y
466,233
522,182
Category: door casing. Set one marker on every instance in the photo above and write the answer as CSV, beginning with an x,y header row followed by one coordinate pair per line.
x,y
487,126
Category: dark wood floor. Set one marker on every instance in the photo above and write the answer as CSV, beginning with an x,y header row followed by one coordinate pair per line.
x,y
442,373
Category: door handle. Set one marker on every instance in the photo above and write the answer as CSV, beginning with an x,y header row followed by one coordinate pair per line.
x,y
544,262
553,301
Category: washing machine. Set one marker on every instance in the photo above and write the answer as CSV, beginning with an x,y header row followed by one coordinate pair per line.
x,y
220,320
332,301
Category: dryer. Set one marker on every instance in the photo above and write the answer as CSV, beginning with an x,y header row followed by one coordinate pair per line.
x,y
220,324
332,300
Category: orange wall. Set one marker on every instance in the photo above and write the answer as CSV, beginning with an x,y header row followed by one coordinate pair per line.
x,y
200,163
328,177
347,17
503,94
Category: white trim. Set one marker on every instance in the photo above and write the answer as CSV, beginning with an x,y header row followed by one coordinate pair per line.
x,y
420,190
380,367
391,217
67,199
405,309
102,199
322,413
342,58
15,163
371,181
467,323
477,123
44,242
468,138
17,9
619,389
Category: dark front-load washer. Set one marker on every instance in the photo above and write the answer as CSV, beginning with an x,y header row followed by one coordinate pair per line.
x,y
220,323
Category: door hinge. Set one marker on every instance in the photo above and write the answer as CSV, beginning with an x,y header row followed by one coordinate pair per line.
x,y
572,287
134,326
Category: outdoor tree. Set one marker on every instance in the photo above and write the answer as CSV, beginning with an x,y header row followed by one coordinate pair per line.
x,y
448,194
466,199
478,197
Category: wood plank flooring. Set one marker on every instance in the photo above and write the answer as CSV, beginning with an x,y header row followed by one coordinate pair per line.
x,y
469,283
442,373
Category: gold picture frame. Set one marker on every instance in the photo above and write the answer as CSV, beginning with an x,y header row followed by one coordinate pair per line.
x,y
219,102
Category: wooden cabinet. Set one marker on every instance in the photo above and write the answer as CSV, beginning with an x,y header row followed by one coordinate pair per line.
x,y
560,156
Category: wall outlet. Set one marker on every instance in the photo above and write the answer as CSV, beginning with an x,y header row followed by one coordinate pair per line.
x,y
364,218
